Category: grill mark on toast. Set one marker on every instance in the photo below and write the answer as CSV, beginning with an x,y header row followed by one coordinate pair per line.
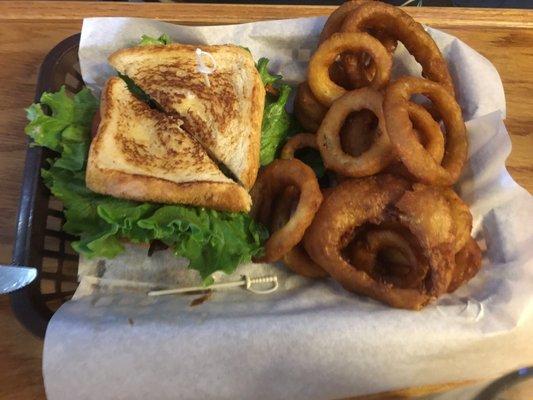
x,y
160,152
218,99
169,119
221,166
139,93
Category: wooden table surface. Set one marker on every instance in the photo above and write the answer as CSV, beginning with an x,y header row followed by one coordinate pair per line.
x,y
28,30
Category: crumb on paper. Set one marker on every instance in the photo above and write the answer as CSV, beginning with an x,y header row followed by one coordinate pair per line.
x,y
202,299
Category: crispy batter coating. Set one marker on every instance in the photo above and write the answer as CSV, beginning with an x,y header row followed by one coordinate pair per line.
x,y
467,264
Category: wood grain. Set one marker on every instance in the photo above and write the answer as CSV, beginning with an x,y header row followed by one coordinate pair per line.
x,y
20,359
28,30
191,13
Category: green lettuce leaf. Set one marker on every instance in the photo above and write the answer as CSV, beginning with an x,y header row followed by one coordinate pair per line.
x,y
276,125
67,129
211,240
148,40
266,76
277,121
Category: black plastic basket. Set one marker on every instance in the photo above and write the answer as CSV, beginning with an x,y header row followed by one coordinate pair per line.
x,y
39,240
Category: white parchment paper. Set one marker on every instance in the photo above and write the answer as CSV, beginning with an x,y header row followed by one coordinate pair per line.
x,y
311,339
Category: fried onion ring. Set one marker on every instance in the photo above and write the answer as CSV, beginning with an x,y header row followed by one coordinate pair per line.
x,y
282,208
422,210
327,91
372,161
401,26
353,203
299,262
410,151
308,109
297,258
297,142
358,68
467,264
270,183
336,18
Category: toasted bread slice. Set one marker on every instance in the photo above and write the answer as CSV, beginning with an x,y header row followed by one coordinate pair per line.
x,y
225,114
142,154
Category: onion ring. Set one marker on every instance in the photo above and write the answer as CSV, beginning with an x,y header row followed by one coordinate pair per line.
x,y
297,258
327,91
401,267
270,183
423,211
353,203
401,26
467,264
297,142
308,109
372,161
410,151
299,262
358,70
336,18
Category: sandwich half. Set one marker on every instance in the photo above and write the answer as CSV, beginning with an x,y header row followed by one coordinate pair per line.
x,y
222,110
142,154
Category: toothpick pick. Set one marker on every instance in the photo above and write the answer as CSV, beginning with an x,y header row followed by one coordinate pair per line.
x,y
245,281
202,67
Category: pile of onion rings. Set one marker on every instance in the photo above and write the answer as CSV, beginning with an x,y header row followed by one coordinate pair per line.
x,y
388,225
392,240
